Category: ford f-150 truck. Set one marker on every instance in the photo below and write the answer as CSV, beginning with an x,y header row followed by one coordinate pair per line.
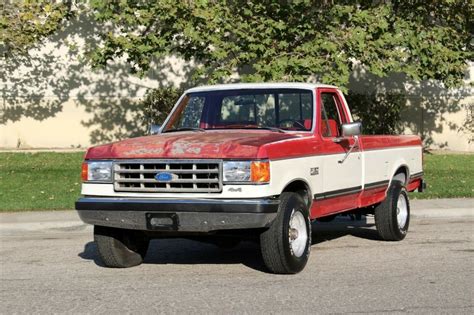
x,y
238,161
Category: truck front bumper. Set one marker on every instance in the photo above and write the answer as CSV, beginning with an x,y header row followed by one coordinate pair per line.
x,y
179,215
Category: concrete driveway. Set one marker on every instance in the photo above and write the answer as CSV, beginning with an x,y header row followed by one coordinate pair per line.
x,y
55,269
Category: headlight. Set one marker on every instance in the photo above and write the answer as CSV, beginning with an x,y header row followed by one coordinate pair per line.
x,y
236,171
247,171
97,171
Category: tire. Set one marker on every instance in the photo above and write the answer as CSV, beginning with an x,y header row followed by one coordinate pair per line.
x,y
392,216
120,248
285,251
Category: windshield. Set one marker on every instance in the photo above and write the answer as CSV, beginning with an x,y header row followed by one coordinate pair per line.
x,y
285,109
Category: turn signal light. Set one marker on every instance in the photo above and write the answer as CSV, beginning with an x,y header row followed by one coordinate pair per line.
x,y
260,171
84,172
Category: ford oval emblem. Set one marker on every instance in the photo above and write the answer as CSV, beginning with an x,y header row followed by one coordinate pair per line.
x,y
164,177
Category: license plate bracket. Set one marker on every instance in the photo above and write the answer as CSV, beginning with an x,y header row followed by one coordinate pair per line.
x,y
162,221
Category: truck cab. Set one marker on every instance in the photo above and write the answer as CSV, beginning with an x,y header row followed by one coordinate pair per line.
x,y
239,161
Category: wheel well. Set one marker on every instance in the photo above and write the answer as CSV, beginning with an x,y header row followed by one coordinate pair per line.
x,y
300,187
402,174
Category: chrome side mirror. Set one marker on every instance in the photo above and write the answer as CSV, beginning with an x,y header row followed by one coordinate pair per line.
x,y
351,129
154,129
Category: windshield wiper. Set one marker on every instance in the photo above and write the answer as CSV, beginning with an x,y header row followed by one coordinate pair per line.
x,y
270,128
275,129
185,129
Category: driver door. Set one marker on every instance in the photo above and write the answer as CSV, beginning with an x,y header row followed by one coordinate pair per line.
x,y
341,178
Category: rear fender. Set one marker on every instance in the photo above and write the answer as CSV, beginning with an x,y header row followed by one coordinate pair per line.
x,y
399,164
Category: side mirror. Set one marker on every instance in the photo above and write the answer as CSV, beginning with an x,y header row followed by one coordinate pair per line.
x,y
155,129
351,129
348,130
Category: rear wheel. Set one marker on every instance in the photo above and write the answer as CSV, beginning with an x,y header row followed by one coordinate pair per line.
x,y
286,244
120,248
392,216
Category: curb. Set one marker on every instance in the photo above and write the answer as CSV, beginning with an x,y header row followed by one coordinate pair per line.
x,y
7,228
443,213
12,222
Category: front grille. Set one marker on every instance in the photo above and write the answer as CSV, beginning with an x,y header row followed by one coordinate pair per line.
x,y
203,176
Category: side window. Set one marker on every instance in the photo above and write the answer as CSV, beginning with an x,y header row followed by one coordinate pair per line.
x,y
331,117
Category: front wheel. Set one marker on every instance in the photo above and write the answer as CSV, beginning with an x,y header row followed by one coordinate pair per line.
x,y
286,244
392,216
120,248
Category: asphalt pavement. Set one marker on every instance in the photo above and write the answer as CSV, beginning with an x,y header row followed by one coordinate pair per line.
x,y
49,264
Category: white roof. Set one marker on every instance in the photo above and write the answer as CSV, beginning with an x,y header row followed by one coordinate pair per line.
x,y
242,86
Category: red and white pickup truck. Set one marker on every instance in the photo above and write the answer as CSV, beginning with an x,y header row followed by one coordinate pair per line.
x,y
247,160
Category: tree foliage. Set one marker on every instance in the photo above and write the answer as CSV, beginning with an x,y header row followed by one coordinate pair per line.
x,y
23,23
380,113
157,104
298,40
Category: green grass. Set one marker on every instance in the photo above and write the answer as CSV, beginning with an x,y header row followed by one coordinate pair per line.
x,y
51,181
39,181
448,176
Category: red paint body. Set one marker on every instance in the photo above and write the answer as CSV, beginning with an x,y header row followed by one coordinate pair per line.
x,y
237,144
260,144
330,206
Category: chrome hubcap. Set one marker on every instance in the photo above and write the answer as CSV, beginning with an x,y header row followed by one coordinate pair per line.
x,y
293,234
297,233
402,211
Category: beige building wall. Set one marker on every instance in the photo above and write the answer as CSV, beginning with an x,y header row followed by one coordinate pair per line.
x,y
62,131
431,111
453,138
54,100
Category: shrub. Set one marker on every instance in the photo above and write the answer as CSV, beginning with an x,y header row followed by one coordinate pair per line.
x,y
379,113
158,103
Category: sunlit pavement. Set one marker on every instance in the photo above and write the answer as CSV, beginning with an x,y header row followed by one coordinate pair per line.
x,y
56,269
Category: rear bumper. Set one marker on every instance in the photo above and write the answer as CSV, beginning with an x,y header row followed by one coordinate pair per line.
x,y
422,186
417,183
179,215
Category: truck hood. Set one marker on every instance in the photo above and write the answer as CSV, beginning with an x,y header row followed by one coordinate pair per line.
x,y
242,144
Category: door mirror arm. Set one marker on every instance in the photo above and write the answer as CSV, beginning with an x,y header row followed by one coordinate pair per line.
x,y
353,146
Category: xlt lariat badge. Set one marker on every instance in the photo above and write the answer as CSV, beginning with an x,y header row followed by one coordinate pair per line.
x,y
314,171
